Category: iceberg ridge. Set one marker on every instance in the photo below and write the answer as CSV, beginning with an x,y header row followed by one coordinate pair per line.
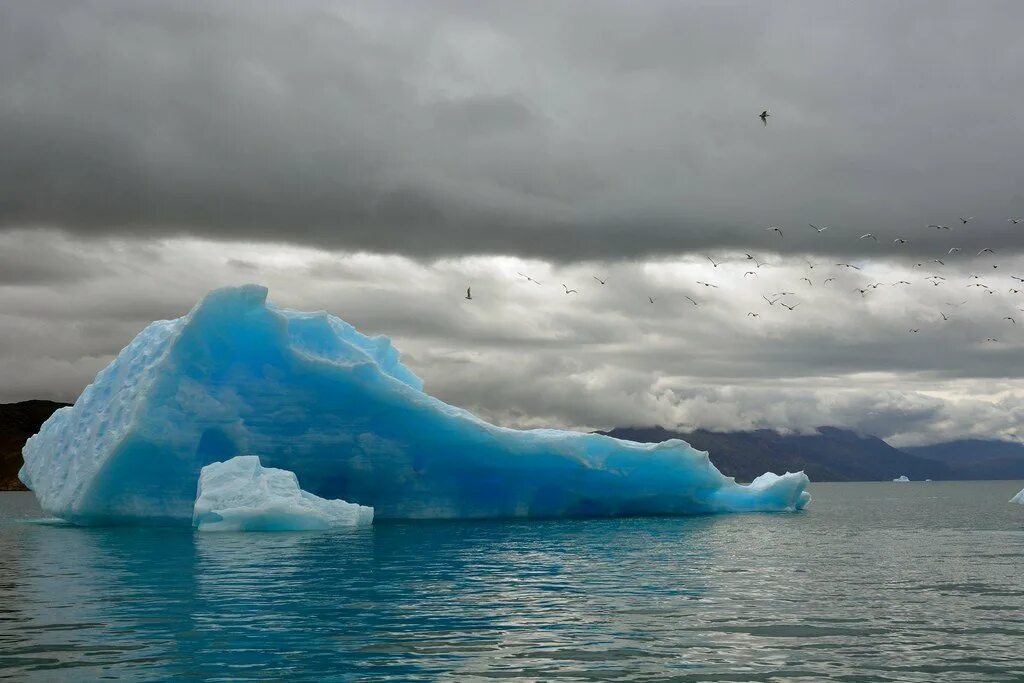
x,y
313,396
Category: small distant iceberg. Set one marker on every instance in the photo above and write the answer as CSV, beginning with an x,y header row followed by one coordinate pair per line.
x,y
242,495
902,478
1019,498
315,397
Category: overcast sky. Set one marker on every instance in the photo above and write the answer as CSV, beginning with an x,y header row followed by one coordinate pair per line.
x,y
374,159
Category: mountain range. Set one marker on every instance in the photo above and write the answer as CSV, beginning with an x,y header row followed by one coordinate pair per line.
x,y
830,454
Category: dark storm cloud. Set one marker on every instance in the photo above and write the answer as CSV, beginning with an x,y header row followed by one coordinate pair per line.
x,y
564,131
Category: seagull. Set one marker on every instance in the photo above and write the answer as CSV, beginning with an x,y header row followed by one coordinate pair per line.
x,y
712,261
868,234
950,303
991,339
528,278
809,264
707,284
977,284
936,283
915,330
986,250
753,315
651,299
935,277
1010,319
691,301
847,265
954,250
918,265
772,228
750,257
900,282
1020,279
899,240
790,307
876,285
782,293
468,294
939,227
935,260
808,281
819,230
771,302
863,292
965,221
569,291
944,316
974,277
599,279
1015,221
1015,291
828,280
764,117
750,272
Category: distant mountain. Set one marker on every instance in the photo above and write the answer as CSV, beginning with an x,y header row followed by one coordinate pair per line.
x,y
832,454
19,421
977,458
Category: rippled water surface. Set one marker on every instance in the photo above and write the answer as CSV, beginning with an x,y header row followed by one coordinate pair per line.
x,y
873,582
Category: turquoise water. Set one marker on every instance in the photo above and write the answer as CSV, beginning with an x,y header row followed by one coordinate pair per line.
x,y
874,582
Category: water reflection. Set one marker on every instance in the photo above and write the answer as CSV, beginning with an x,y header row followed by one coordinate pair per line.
x,y
832,592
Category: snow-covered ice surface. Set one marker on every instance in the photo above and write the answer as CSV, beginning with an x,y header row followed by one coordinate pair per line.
x,y
901,478
313,396
242,495
1019,498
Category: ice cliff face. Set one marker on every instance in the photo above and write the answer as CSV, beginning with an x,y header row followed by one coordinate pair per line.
x,y
312,395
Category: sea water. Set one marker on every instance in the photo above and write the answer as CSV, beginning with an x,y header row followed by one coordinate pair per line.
x,y
874,581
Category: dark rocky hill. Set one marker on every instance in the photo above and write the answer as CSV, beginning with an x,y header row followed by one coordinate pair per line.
x,y
19,421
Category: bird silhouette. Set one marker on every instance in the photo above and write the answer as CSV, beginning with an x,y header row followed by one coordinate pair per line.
x,y
469,295
764,117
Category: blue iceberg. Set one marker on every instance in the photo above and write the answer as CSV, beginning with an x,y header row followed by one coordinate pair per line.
x,y
242,495
313,396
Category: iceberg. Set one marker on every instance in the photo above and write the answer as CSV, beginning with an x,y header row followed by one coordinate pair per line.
x,y
1019,498
312,395
902,478
242,495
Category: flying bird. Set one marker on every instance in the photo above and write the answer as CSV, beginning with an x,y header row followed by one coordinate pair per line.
x,y
528,278
712,261
977,284
868,234
808,281
915,330
935,260
772,228
954,250
753,315
782,293
771,302
847,265
1020,279
691,301
950,303
899,240
935,277
817,229
862,292
991,339
944,316
569,291
1015,221
1010,318
939,227
809,264
828,280
788,306
900,282
750,272
599,279
764,117
986,250
967,220
707,284
468,294
651,299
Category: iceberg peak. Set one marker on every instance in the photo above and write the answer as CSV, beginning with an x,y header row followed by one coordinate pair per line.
x,y
315,397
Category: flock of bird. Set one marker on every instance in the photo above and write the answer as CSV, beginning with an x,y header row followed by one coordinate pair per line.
x,y
783,300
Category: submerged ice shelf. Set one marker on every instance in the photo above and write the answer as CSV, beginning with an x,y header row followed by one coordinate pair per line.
x,y
313,396
242,495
